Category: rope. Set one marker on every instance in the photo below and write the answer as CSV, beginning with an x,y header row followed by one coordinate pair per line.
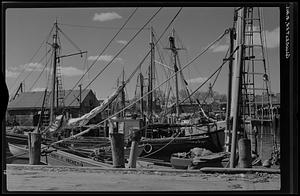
x,y
99,27
220,37
204,100
34,55
16,155
120,51
40,74
107,45
176,136
69,39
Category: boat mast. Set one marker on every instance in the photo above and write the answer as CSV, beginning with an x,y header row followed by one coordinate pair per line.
x,y
151,76
229,90
174,51
235,104
55,47
123,93
142,95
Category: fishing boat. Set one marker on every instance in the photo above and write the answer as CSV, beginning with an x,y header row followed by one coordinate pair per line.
x,y
244,82
54,156
181,133
162,133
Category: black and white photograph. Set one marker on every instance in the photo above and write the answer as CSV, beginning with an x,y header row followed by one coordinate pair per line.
x,y
153,98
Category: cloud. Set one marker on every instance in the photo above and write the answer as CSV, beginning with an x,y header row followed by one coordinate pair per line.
x,y
71,71
220,48
197,80
39,89
106,58
272,37
106,16
30,67
122,42
11,74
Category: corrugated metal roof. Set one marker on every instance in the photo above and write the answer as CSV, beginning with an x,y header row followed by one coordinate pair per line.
x,y
34,99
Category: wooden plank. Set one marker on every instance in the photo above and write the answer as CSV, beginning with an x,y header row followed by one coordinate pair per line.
x,y
238,170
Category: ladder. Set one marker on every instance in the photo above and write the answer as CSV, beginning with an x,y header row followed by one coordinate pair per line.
x,y
45,119
255,82
60,89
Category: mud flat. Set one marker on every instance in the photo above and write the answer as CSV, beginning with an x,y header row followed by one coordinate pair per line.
x,y
50,178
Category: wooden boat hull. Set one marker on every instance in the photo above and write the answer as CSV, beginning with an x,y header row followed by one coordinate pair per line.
x,y
15,138
163,148
62,158
214,160
57,157
18,151
181,163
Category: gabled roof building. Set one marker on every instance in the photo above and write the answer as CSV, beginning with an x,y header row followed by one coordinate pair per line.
x,y
25,108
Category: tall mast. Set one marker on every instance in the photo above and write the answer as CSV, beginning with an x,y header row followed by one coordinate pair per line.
x,y
174,51
142,94
55,46
235,104
151,76
123,93
228,128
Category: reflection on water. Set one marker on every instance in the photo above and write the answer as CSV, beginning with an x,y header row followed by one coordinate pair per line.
x,y
267,139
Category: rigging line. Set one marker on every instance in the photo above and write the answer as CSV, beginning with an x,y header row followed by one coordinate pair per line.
x,y
215,78
132,74
266,51
38,63
45,40
176,136
121,49
208,47
174,75
211,75
50,71
162,59
93,63
69,39
185,84
40,73
99,27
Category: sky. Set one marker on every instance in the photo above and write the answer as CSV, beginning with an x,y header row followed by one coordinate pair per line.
x,y
91,29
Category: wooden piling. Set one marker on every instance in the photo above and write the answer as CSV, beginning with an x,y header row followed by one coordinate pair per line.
x,y
244,145
253,132
117,148
34,145
117,145
135,138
